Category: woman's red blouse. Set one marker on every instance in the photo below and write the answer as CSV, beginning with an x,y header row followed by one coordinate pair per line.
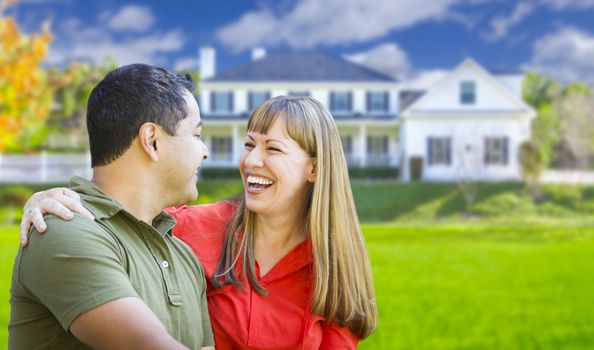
x,y
243,319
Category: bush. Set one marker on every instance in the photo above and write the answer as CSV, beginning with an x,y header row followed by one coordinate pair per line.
x,y
220,174
505,204
374,173
12,200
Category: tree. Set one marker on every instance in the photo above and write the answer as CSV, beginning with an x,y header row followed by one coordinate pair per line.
x,y
532,164
540,92
25,95
72,87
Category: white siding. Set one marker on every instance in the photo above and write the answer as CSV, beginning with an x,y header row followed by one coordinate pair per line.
x,y
467,147
488,95
240,101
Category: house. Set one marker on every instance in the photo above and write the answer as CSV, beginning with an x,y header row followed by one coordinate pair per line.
x,y
363,102
470,125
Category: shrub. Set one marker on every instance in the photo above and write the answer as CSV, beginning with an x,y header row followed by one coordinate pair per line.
x,y
505,204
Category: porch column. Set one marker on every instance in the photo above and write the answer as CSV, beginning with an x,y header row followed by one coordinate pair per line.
x,y
235,144
363,144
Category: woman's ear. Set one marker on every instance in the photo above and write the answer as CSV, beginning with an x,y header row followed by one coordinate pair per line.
x,y
311,170
148,136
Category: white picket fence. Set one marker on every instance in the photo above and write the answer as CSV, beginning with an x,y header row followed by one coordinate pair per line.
x,y
51,168
43,167
567,177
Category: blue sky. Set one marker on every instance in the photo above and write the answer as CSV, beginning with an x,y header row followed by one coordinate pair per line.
x,y
414,40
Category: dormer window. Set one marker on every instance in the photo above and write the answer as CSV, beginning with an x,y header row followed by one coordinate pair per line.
x,y
340,101
298,93
222,101
256,98
467,92
377,101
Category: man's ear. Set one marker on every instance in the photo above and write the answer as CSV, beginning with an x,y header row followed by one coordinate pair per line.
x,y
148,137
311,170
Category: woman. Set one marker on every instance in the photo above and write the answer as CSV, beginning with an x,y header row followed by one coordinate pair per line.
x,y
286,263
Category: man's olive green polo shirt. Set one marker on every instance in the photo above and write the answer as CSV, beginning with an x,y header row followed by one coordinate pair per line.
x,y
80,264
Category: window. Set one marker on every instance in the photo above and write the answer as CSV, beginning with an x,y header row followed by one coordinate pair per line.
x,y
256,98
377,101
377,151
221,148
298,93
347,144
377,145
496,150
439,150
467,92
340,101
222,101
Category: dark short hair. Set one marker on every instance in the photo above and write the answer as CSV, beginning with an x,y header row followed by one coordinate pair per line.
x,y
128,97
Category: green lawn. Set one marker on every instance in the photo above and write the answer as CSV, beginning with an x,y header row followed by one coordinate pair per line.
x,y
461,287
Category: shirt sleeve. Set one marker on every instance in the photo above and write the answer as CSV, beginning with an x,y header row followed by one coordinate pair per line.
x,y
336,337
74,267
206,325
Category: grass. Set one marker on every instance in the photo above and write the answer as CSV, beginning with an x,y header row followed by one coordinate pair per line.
x,y
412,203
9,243
471,286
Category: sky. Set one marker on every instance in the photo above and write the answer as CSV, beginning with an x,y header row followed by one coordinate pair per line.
x,y
416,41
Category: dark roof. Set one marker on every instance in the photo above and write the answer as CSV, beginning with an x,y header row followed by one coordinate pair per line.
x,y
353,116
408,97
301,66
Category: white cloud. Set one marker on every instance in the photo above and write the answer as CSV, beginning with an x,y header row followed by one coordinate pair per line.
x,y
187,63
389,59
565,54
330,22
500,25
423,80
77,42
132,18
568,4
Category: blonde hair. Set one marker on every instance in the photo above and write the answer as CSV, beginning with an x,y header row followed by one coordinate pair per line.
x,y
343,285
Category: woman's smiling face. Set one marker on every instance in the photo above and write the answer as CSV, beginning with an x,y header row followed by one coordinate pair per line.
x,y
275,170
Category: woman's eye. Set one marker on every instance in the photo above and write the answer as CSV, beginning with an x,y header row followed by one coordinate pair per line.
x,y
248,145
273,149
198,136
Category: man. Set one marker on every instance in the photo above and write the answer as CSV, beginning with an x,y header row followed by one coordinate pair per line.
x,y
122,280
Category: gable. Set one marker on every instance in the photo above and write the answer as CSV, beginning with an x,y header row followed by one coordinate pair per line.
x,y
490,94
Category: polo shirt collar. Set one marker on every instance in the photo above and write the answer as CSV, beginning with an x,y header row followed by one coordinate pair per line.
x,y
102,206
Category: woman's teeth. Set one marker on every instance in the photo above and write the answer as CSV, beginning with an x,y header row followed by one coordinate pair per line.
x,y
258,183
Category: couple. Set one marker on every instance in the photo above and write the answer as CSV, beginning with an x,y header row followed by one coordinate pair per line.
x,y
283,267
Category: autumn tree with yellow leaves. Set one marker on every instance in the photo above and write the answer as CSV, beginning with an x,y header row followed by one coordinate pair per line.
x,y
25,94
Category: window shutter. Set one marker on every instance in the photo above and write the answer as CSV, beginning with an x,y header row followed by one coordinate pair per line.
x,y
350,101
368,101
448,149
267,95
430,150
386,100
250,101
213,106
486,154
231,101
505,150
332,101
385,145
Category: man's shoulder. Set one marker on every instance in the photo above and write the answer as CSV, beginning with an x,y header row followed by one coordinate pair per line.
x,y
78,227
77,235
